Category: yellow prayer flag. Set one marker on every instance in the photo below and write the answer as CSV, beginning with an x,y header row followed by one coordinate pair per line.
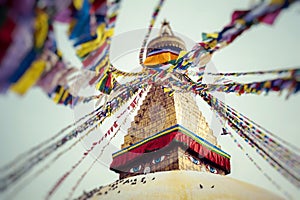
x,y
278,2
65,95
102,64
212,35
78,4
29,78
58,95
167,90
240,21
93,44
41,29
181,54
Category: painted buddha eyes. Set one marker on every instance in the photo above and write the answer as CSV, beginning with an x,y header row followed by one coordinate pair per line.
x,y
194,160
158,160
136,169
212,169
154,161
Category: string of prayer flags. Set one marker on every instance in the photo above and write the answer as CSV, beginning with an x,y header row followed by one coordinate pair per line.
x,y
278,156
259,129
264,12
53,160
276,72
291,84
241,21
265,173
90,149
91,28
131,108
106,111
26,154
94,53
254,127
226,131
118,73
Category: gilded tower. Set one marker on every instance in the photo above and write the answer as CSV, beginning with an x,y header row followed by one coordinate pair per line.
x,y
168,132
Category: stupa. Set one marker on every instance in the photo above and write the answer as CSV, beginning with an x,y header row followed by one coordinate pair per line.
x,y
169,152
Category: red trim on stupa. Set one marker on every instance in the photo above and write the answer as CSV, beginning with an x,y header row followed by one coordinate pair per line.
x,y
164,140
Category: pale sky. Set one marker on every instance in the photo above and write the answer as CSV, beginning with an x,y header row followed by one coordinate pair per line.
x,y
30,120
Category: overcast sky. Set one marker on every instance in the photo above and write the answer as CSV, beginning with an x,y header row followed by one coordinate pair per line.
x,y
29,120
